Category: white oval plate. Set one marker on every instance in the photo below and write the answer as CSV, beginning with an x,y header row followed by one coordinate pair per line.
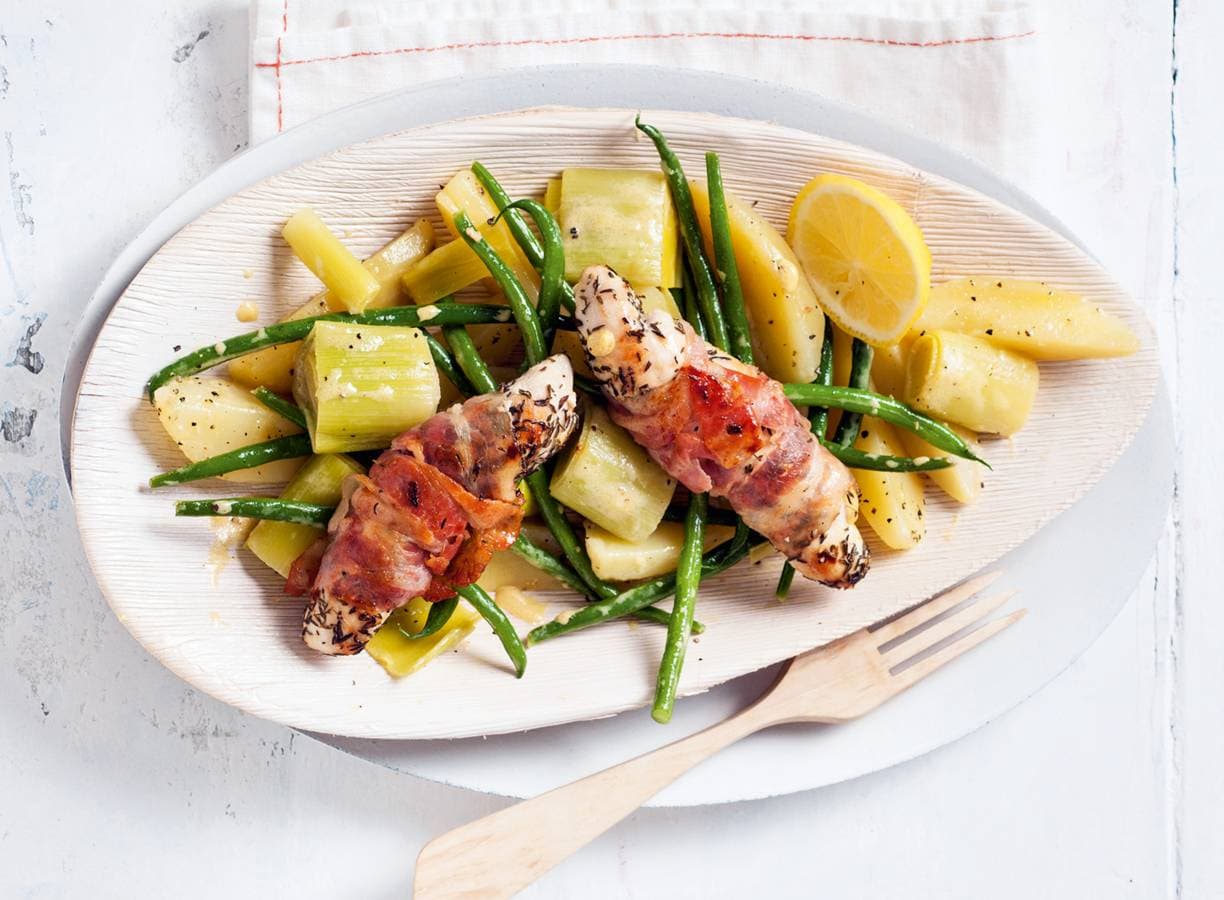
x,y
251,658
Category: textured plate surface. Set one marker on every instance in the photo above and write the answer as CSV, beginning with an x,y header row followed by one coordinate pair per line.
x,y
238,641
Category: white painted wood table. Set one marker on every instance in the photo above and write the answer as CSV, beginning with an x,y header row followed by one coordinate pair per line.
x,y
117,780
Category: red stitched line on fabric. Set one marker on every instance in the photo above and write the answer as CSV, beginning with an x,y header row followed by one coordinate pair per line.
x,y
280,96
594,39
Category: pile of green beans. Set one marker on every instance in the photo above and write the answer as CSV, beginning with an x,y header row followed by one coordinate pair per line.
x,y
516,296
551,267
532,248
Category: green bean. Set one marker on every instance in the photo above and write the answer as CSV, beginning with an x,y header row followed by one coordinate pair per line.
x,y
682,199
516,297
552,269
738,334
714,515
280,406
441,313
445,363
549,564
819,415
688,579
289,447
882,407
692,309
273,508
636,598
467,357
854,458
527,240
860,377
784,581
439,614
500,623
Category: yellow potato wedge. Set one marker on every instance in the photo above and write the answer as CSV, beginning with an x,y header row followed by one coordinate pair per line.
x,y
1026,316
892,502
970,382
785,318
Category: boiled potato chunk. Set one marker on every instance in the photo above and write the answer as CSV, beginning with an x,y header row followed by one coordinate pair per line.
x,y
206,416
970,382
1026,316
508,569
785,318
963,480
615,559
892,502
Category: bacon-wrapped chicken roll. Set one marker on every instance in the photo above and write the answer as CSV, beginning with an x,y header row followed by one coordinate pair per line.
x,y
718,425
433,508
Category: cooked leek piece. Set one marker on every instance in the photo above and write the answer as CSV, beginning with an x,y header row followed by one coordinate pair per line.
x,y
278,544
508,568
615,559
448,269
1026,316
785,319
970,382
332,262
273,368
608,478
465,192
361,385
207,416
402,656
621,218
892,502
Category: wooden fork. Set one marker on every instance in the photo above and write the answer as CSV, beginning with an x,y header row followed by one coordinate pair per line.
x,y
503,853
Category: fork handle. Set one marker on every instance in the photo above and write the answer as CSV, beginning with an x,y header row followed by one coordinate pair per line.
x,y
502,853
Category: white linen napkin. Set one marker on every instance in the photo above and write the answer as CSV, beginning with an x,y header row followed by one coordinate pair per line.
x,y
965,73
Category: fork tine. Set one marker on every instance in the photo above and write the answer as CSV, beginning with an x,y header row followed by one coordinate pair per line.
x,y
924,612
929,637
920,670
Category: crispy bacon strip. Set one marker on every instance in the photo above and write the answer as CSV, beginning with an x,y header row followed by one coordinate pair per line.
x,y
434,508
718,425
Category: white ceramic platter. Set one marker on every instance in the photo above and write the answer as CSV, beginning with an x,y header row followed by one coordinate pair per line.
x,y
239,642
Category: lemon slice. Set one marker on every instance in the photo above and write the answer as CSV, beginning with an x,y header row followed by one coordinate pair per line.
x,y
864,257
